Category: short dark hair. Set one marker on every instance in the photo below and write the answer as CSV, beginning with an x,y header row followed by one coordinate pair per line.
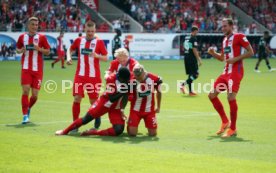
x,y
90,24
266,33
229,21
194,28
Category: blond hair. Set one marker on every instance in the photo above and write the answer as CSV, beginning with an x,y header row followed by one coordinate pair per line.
x,y
121,51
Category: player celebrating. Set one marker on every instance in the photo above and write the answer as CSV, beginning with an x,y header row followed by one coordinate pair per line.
x,y
192,60
60,51
143,103
122,60
263,52
91,50
33,45
232,75
112,101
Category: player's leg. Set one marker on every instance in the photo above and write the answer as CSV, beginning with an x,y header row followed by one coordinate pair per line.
x,y
219,86
268,64
62,61
78,93
95,111
233,88
26,82
189,82
151,123
233,115
25,102
115,130
93,87
118,124
258,63
97,122
76,124
76,106
133,122
57,60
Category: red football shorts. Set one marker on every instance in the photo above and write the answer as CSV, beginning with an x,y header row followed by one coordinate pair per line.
x,y
60,53
34,79
229,82
149,119
91,85
99,108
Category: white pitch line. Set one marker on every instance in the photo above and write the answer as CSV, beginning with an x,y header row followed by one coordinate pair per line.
x,y
105,119
166,110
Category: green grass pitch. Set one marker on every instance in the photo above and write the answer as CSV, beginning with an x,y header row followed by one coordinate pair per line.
x,y
186,139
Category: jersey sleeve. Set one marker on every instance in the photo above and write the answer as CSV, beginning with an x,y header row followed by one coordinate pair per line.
x,y
157,81
75,44
45,43
243,40
194,42
112,66
20,43
101,48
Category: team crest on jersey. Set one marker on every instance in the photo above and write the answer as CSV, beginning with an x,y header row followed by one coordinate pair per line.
x,y
93,45
36,41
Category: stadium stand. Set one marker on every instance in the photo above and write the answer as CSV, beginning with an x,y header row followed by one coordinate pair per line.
x,y
53,15
264,11
176,16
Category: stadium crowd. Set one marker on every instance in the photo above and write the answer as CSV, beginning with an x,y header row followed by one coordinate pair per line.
x,y
264,11
54,15
177,16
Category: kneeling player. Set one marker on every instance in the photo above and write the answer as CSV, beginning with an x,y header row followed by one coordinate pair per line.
x,y
112,101
142,105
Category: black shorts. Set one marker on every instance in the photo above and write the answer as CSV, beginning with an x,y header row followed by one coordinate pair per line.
x,y
191,67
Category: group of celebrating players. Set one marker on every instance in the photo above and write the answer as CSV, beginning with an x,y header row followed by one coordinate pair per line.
x,y
127,80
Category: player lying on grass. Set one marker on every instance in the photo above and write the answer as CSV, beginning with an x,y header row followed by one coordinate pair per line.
x,y
112,101
232,75
33,46
143,102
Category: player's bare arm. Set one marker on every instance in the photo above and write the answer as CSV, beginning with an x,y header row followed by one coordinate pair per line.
x,y
158,98
197,56
69,56
19,51
218,56
123,105
249,53
100,57
42,50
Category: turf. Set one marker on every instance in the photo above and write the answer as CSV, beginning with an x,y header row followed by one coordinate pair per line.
x,y
185,142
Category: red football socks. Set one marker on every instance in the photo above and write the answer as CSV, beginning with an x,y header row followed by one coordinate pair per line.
x,y
107,132
33,99
25,104
76,110
76,124
233,113
219,108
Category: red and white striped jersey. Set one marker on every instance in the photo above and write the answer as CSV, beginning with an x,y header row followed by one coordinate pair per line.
x,y
143,94
60,44
88,66
232,47
115,66
32,60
